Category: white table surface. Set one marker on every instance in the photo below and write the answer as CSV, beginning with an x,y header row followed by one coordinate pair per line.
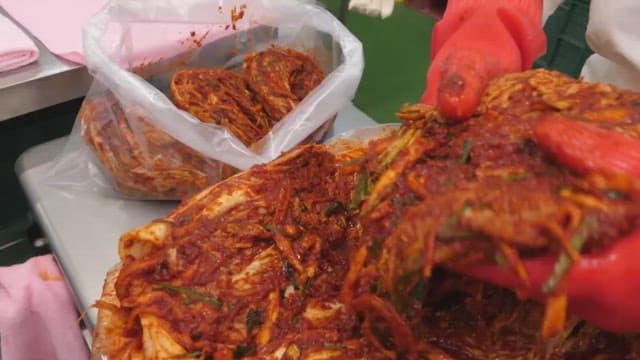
x,y
83,228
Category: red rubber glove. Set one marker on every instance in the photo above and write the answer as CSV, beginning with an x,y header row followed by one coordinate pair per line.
x,y
475,41
602,288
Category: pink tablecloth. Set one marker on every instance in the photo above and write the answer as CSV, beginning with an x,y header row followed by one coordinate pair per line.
x,y
57,23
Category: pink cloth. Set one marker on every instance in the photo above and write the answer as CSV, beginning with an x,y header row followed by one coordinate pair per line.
x,y
38,319
16,48
57,23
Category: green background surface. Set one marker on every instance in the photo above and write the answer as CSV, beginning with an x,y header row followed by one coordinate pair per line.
x,y
396,52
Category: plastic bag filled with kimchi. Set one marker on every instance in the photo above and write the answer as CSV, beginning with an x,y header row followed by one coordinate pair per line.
x,y
132,136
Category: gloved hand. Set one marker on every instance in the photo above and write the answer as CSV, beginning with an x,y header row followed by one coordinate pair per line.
x,y
475,41
603,287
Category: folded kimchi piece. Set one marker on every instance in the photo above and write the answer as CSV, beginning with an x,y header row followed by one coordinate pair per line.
x,y
140,160
281,78
221,97
250,267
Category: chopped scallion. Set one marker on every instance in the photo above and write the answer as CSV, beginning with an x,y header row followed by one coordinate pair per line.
x,y
242,351
331,209
361,191
191,295
254,319
588,225
466,151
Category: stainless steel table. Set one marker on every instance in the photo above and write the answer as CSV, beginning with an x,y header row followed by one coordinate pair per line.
x,y
83,228
48,81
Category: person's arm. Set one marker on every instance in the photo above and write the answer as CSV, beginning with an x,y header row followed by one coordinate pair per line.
x,y
612,33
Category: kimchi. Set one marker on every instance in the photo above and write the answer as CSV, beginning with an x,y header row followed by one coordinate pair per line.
x,y
354,253
142,161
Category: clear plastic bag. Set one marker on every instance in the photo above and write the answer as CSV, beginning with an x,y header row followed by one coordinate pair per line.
x,y
139,143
